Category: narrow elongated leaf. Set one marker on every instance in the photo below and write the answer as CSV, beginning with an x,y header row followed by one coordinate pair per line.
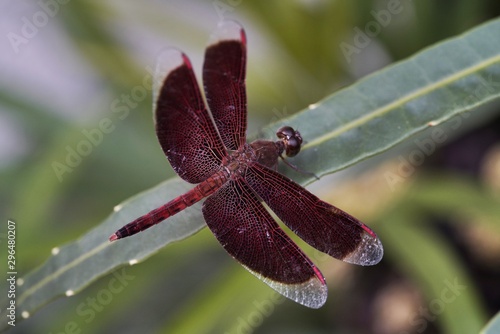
x,y
351,125
437,269
391,105
444,195
72,267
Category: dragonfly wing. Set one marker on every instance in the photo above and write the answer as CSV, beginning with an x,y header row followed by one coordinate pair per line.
x,y
224,80
323,226
248,233
184,128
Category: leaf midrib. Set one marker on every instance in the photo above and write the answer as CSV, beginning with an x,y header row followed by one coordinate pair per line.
x,y
60,271
330,135
401,101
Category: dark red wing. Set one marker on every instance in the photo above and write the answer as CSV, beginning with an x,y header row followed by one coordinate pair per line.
x,y
320,224
249,233
184,128
224,81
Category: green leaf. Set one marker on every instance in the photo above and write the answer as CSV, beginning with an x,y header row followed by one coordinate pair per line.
x,y
393,104
427,256
349,126
74,266
444,195
234,292
428,259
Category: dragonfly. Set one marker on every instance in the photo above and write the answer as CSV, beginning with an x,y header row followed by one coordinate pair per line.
x,y
235,177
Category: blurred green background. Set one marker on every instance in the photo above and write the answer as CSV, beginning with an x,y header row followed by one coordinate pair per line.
x,y
68,73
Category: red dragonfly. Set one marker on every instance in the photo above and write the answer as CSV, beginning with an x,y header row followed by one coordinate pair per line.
x,y
237,176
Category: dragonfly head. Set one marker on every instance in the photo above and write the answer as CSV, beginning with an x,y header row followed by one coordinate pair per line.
x,y
292,140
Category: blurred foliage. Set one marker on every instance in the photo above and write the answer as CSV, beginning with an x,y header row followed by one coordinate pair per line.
x,y
426,227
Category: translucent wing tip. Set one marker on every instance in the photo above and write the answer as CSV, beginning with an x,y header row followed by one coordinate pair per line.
x,y
167,60
368,253
311,293
228,31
